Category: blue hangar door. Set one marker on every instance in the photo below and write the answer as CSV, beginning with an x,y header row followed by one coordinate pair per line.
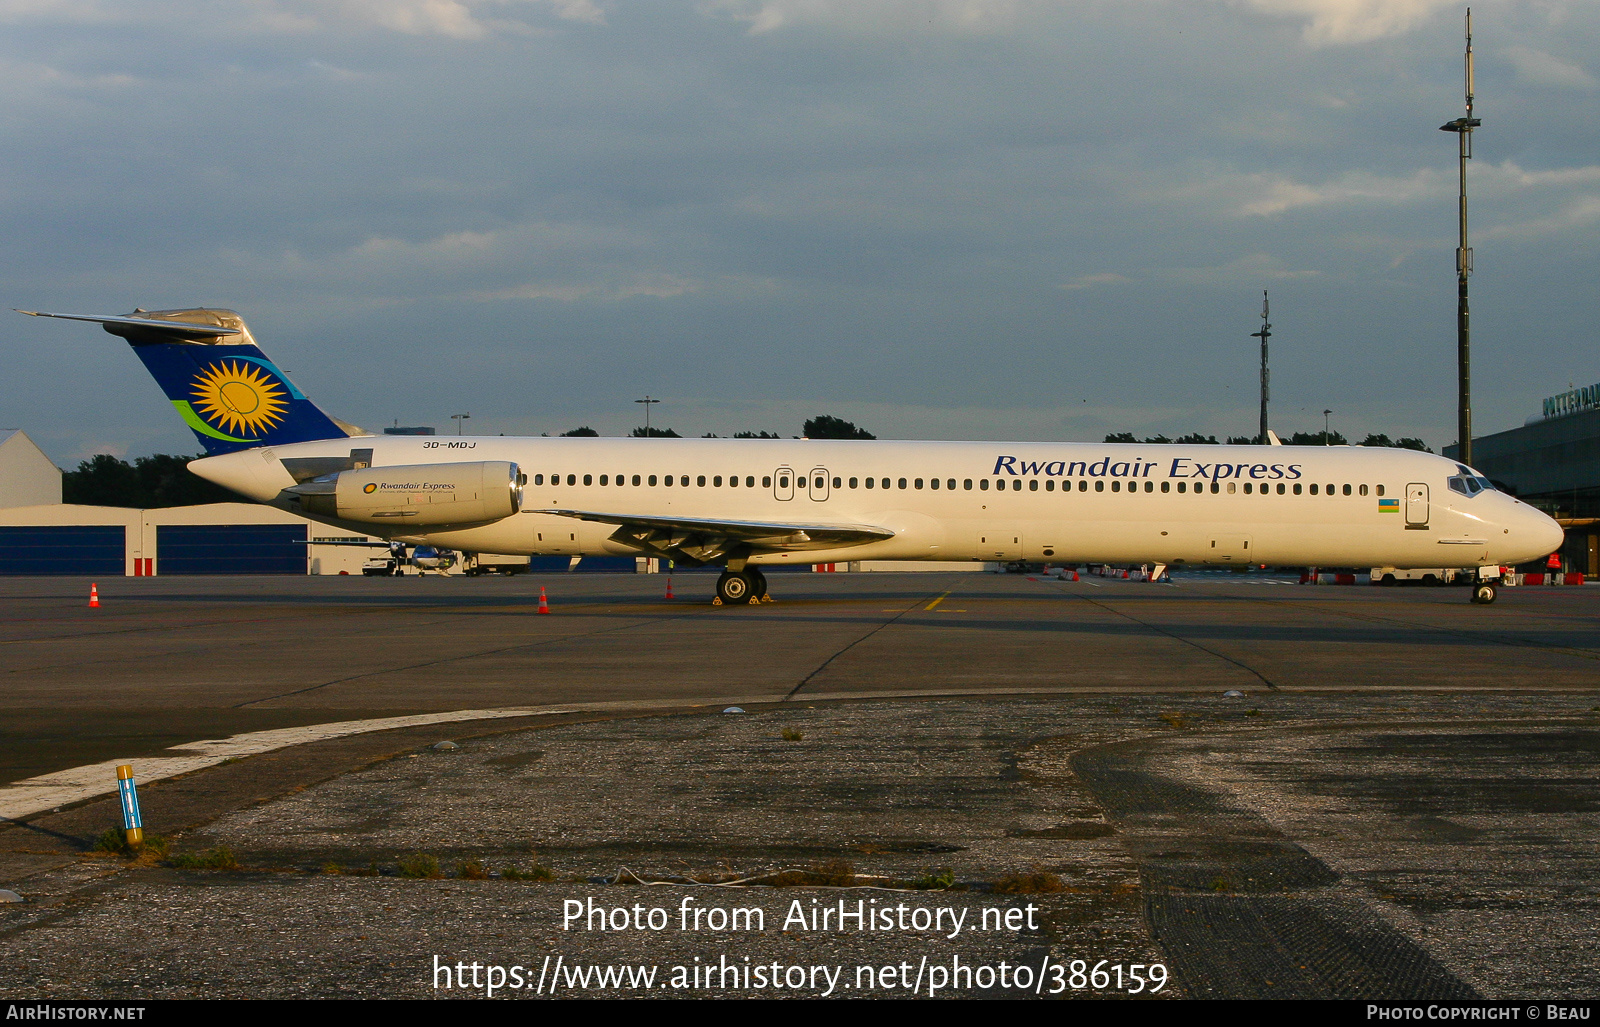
x,y
88,549
230,549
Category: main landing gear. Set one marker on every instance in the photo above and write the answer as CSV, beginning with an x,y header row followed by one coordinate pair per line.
x,y
741,588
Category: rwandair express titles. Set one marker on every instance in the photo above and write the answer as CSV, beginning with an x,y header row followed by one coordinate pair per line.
x,y
746,503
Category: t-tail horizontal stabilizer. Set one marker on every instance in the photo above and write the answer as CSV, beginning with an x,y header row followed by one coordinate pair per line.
x,y
225,389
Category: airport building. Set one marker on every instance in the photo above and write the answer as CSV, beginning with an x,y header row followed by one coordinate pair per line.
x,y
41,535
1553,462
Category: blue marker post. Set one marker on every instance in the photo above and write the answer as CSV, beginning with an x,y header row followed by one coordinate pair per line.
x,y
132,826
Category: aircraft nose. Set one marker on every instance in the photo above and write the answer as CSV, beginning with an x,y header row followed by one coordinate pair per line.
x,y
1544,536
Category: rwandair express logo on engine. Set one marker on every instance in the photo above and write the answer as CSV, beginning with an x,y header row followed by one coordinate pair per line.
x,y
236,400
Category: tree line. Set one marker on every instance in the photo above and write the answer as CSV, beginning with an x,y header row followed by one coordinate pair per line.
x,y
146,483
1299,438
823,426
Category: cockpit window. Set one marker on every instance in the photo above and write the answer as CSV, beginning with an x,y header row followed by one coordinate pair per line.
x,y
1469,482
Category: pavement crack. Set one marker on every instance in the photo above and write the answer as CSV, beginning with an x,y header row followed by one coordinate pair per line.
x,y
1178,638
824,665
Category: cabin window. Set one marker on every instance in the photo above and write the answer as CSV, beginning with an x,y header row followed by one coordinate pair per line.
x,y
652,481
1313,489
1247,488
602,479
819,483
1297,488
716,482
950,483
917,483
1347,490
966,483
1380,490
684,481
1166,486
572,479
1363,490
1280,488
871,482
1183,486
1149,486
983,485
766,481
902,483
1116,486
783,482
1231,488
538,479
750,481
933,483
855,482
1033,484
700,482
1083,486
836,483
636,479
1099,485
1215,488
666,479
1050,485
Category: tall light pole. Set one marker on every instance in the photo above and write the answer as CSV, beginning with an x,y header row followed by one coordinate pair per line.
x,y
1325,414
1463,127
458,418
1264,334
648,403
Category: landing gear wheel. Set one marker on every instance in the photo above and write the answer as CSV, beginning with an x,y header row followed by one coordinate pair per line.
x,y
734,588
1483,593
758,590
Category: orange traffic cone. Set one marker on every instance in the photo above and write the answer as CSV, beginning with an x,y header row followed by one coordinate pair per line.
x,y
1124,575
94,596
544,604
669,588
1074,575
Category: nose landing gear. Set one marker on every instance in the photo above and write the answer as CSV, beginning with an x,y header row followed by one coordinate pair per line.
x,y
1484,592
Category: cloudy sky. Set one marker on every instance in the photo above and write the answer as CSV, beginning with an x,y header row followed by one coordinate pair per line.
x,y
995,219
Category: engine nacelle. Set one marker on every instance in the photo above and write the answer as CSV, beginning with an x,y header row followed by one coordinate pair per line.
x,y
417,494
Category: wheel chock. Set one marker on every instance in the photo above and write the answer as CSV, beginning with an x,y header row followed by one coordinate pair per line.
x,y
717,601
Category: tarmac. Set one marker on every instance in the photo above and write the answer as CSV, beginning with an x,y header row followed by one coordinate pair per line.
x,y
1398,803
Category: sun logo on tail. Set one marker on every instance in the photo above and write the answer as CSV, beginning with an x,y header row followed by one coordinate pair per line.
x,y
237,396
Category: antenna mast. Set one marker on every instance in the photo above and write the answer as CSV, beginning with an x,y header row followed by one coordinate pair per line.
x,y
1264,334
1463,128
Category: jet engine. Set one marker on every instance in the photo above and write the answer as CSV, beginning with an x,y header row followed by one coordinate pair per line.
x,y
416,494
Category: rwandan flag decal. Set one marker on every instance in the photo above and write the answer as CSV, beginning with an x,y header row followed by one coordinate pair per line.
x,y
1388,506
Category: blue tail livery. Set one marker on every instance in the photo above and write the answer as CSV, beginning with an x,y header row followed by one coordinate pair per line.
x,y
228,393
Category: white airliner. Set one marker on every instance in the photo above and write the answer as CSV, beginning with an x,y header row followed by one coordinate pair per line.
x,y
745,503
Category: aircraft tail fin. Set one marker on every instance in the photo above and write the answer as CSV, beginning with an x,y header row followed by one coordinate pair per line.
x,y
225,389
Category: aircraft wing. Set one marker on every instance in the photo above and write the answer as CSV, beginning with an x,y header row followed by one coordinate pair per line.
x,y
703,540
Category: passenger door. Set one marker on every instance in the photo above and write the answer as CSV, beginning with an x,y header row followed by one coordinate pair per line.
x,y
1417,506
817,483
783,483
